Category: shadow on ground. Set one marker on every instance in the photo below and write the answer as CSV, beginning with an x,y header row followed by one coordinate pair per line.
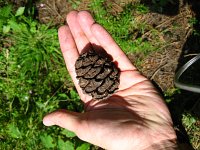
x,y
166,7
184,101
188,101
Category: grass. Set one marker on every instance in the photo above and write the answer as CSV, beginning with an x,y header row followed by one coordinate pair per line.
x,y
192,126
123,26
34,80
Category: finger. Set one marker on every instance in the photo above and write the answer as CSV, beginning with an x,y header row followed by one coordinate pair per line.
x,y
78,34
68,48
65,119
73,121
70,54
107,42
86,21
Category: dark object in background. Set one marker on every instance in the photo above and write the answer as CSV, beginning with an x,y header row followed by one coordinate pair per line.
x,y
98,76
187,77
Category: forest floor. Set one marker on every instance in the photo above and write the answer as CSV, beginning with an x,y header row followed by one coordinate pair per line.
x,y
165,33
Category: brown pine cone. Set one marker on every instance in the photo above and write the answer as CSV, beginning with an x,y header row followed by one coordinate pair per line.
x,y
98,76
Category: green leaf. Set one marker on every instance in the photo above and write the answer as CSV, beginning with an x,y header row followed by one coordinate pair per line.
x,y
13,25
13,131
5,11
84,146
33,28
1,25
20,11
69,145
6,29
73,94
65,145
61,144
47,141
68,133
63,96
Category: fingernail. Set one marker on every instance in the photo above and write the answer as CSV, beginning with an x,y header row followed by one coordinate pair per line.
x,y
47,122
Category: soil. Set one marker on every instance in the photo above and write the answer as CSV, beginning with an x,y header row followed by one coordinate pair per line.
x,y
160,66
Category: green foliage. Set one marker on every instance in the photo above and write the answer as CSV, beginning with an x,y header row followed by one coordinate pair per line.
x,y
20,11
37,51
192,127
119,26
75,3
13,131
141,9
65,145
47,141
123,26
5,13
188,120
33,81
69,145
193,21
68,133
84,146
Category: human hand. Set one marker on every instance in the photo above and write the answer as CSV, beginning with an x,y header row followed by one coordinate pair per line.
x,y
135,117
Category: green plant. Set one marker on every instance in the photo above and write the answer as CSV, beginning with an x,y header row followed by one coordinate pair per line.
x,y
5,13
191,125
33,81
121,27
141,9
193,21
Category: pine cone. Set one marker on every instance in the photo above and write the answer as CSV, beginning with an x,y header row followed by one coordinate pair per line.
x,y
98,76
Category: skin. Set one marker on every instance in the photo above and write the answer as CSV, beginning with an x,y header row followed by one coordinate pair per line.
x,y
135,117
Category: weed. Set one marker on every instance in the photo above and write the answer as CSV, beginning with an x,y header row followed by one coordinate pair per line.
x,y
75,3
193,21
192,127
141,9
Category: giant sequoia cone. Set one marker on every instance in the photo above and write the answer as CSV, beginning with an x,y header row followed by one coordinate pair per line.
x,y
98,76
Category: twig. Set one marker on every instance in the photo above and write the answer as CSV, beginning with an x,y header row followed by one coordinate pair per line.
x,y
190,55
157,70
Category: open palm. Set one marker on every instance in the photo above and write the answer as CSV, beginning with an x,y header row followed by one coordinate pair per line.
x,y
135,117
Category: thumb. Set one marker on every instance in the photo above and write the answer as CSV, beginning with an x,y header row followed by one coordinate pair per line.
x,y
63,118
